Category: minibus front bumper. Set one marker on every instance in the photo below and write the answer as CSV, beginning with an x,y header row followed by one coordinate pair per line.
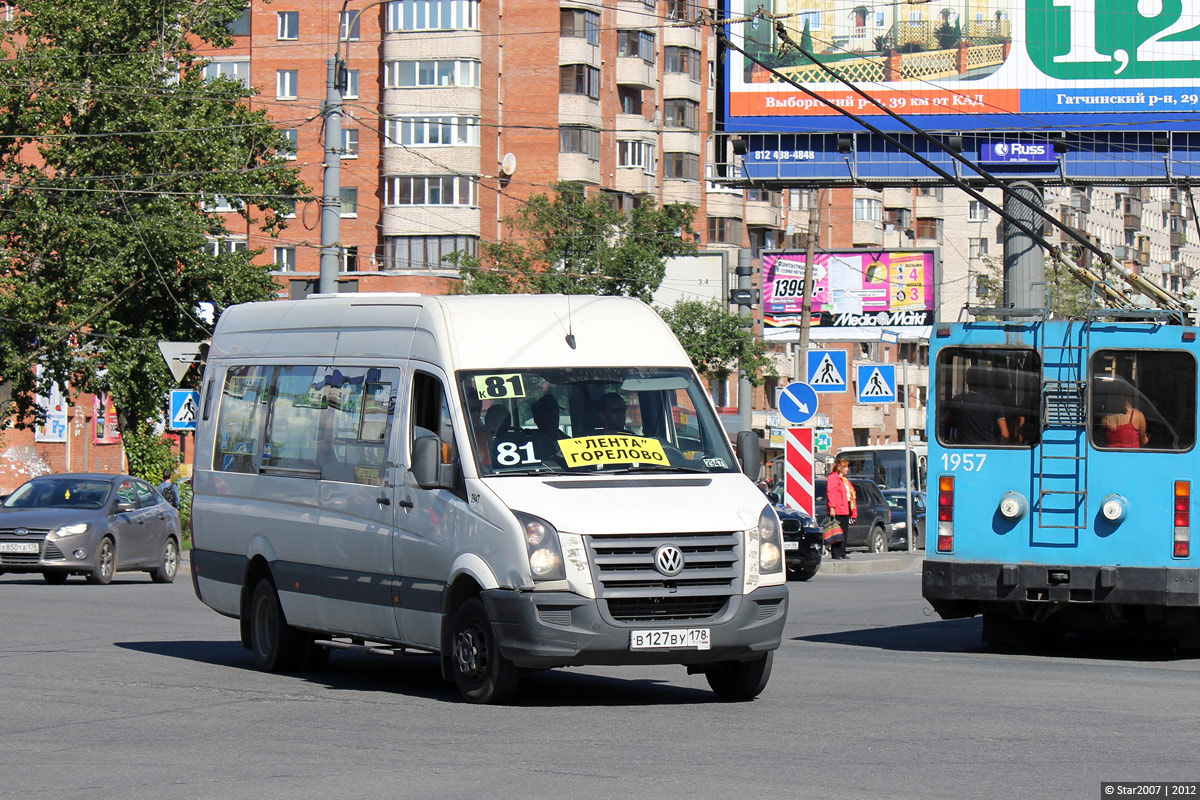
x,y
562,629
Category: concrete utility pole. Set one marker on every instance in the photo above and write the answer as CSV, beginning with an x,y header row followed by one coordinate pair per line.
x,y
810,254
745,274
331,189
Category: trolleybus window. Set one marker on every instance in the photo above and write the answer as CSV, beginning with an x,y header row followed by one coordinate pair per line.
x,y
1143,399
988,396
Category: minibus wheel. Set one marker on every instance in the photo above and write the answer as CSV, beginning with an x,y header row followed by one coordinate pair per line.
x,y
740,680
275,645
481,673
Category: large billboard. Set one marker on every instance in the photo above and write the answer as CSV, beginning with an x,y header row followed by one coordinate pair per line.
x,y
972,65
858,295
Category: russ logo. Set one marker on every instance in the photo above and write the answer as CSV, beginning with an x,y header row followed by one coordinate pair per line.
x,y
1122,39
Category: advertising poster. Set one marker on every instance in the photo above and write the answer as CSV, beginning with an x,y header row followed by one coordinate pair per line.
x,y
974,65
106,429
856,294
54,429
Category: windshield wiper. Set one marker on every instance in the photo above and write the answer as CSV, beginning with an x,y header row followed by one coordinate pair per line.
x,y
655,468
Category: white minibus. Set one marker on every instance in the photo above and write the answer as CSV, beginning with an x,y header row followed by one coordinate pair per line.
x,y
510,482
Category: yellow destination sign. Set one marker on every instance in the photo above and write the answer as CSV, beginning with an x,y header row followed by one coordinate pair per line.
x,y
616,449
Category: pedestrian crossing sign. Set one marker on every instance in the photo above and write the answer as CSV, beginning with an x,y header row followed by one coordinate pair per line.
x,y
184,405
876,383
827,371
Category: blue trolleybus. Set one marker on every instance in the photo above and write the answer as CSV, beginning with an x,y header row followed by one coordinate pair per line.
x,y
1061,469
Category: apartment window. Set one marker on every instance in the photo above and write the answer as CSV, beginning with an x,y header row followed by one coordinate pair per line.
x,y
430,190
681,166
293,137
350,92
762,196
683,60
221,204
929,228
286,81
636,155
630,100
868,209
681,9
762,239
900,217
349,201
432,72
679,113
288,25
580,140
424,252
635,44
724,230
810,18
930,191
241,25
349,27
236,70
433,15
977,212
222,247
350,259
977,248
578,24
350,143
285,259
579,79
431,131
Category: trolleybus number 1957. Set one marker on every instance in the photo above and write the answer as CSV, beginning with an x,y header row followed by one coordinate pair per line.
x,y
967,462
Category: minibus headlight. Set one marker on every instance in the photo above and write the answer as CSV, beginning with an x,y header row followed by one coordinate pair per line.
x,y
770,542
541,544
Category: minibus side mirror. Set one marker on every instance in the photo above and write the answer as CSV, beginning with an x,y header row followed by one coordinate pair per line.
x,y
426,458
748,454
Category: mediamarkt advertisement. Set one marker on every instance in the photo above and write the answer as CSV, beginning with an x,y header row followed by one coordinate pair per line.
x,y
856,294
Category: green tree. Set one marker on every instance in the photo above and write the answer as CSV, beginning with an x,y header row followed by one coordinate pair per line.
x,y
716,342
1067,296
570,243
111,141
806,42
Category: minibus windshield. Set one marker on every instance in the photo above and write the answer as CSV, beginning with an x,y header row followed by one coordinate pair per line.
x,y
584,420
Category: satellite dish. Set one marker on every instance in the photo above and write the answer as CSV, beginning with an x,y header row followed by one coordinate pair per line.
x,y
508,164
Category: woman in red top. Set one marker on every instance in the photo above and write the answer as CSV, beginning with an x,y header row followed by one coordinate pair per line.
x,y
842,503
1126,426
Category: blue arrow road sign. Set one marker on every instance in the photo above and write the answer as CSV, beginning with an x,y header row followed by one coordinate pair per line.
x,y
797,403
876,383
184,404
827,371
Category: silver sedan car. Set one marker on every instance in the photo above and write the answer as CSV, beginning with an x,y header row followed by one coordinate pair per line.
x,y
88,524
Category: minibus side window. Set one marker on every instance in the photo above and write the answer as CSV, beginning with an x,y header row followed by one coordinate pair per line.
x,y
1143,400
989,397
243,395
297,402
354,428
431,414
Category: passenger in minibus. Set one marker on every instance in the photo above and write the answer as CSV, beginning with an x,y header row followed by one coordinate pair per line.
x,y
612,413
545,413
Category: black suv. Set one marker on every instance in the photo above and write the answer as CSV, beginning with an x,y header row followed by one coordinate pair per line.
x,y
802,543
872,527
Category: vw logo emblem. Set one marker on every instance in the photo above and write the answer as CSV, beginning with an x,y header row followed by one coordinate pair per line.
x,y
21,531
668,560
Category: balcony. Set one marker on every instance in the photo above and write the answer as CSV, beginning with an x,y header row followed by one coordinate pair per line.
x,y
634,71
867,233
1081,202
762,215
1178,239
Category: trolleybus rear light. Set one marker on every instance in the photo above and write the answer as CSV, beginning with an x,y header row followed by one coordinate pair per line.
x,y
945,539
1183,513
1189,336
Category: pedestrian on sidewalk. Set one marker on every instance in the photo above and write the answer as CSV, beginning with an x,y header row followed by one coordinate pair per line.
x,y
841,502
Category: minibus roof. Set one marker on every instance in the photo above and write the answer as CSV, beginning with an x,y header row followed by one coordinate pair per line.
x,y
459,331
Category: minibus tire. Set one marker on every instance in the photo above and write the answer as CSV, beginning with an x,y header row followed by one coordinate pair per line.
x,y
481,673
740,680
275,645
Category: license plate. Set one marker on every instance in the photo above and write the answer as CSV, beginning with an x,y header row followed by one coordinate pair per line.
x,y
19,547
791,545
692,638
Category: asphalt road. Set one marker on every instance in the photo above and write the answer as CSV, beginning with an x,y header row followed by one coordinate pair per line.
x,y
136,690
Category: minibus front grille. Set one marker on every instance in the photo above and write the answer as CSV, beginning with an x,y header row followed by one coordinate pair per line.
x,y
634,609
625,573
